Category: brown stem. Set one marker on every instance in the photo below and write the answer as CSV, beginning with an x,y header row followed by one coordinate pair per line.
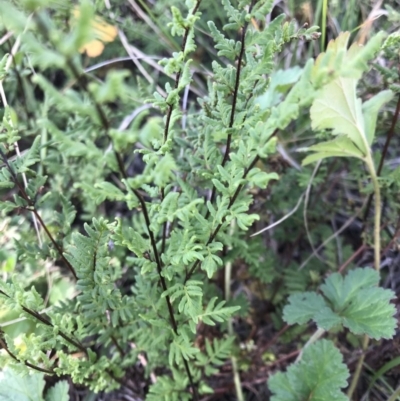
x,y
46,322
106,126
234,101
28,364
359,251
164,234
34,210
235,94
178,76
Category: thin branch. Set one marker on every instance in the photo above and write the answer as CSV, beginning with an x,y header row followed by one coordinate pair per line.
x,y
236,91
234,102
47,322
28,364
282,219
361,249
147,219
11,60
67,338
33,209
357,372
169,116
333,236
384,152
216,231
178,76
135,59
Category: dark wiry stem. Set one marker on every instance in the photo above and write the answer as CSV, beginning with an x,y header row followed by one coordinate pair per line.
x,y
236,90
29,365
47,322
33,209
216,231
105,124
164,233
178,76
234,101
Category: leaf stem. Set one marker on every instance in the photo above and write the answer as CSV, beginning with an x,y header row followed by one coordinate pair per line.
x,y
323,23
395,395
357,372
377,214
377,260
227,279
32,205
234,101
389,137
28,364
216,231
316,336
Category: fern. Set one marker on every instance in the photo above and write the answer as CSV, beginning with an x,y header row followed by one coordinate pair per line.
x,y
140,213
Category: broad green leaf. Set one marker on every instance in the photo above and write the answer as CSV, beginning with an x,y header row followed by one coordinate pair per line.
x,y
370,110
302,307
339,290
331,60
338,61
354,302
338,147
59,392
14,386
356,60
319,376
326,318
301,95
12,18
371,313
337,107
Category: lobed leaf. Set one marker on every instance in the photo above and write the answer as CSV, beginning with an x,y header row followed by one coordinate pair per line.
x,y
319,376
354,302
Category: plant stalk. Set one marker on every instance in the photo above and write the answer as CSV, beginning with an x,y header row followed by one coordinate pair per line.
x,y
377,260
227,283
377,214
323,23
395,395
357,372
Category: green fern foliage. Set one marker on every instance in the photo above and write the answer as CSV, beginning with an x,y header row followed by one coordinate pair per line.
x,y
134,198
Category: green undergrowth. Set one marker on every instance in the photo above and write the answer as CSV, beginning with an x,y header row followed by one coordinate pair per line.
x,y
180,200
